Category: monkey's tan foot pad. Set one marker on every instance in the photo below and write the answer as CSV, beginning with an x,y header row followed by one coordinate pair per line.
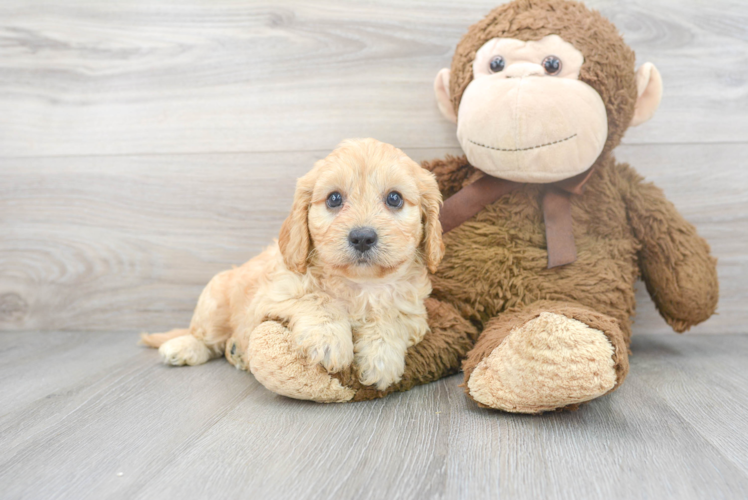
x,y
548,363
276,364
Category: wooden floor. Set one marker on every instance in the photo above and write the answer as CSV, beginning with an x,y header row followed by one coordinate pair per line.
x,y
92,416
145,146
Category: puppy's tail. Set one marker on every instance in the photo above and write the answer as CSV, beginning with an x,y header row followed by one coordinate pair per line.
x,y
156,339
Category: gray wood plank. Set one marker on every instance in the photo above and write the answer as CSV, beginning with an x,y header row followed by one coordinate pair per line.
x,y
127,242
67,351
211,431
72,442
86,77
681,378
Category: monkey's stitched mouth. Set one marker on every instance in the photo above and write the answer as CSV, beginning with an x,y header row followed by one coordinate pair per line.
x,y
524,149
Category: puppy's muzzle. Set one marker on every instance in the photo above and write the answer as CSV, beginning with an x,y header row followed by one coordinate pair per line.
x,y
363,239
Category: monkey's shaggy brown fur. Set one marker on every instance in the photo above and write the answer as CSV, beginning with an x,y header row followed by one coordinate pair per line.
x,y
495,270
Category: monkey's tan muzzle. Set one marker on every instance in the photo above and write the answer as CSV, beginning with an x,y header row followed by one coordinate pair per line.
x,y
532,129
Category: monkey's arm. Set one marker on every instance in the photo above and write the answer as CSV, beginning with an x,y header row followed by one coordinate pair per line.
x,y
676,266
451,173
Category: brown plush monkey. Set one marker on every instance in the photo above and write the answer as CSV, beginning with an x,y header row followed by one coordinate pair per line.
x,y
536,292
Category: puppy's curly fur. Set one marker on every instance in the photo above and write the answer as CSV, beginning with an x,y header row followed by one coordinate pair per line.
x,y
342,306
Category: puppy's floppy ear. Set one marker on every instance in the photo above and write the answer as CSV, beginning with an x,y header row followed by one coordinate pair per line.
x,y
431,202
294,240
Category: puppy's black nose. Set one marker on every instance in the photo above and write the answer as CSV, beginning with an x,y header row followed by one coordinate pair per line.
x,y
363,238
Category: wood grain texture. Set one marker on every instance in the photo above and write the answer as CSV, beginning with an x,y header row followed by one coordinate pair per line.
x,y
79,408
127,242
145,147
180,76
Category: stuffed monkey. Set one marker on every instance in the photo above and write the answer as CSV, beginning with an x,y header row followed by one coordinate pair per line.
x,y
546,233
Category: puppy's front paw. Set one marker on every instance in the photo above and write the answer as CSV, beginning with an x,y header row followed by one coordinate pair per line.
x,y
330,344
380,365
186,350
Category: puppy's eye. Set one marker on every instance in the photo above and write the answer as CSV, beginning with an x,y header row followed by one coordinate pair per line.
x,y
394,200
496,64
552,65
334,200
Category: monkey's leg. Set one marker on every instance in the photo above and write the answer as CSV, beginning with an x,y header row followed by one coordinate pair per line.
x,y
547,356
269,353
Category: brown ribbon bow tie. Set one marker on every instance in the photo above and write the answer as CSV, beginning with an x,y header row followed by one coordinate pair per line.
x,y
559,232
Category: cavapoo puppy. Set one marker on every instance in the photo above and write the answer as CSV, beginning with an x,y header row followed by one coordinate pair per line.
x,y
348,275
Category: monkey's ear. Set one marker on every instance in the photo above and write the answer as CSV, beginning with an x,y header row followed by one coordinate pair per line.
x,y
441,89
649,90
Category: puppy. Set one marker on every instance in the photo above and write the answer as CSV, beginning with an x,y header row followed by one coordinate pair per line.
x,y
348,275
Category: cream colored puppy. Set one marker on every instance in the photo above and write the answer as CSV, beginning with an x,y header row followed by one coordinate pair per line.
x,y
348,274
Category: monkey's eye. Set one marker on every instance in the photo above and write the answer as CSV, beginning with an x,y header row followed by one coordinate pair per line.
x,y
334,200
394,200
497,64
552,65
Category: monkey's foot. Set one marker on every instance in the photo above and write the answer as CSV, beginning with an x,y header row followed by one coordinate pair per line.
x,y
548,363
276,363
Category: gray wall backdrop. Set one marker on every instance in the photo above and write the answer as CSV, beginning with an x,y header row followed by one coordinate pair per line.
x,y
145,146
